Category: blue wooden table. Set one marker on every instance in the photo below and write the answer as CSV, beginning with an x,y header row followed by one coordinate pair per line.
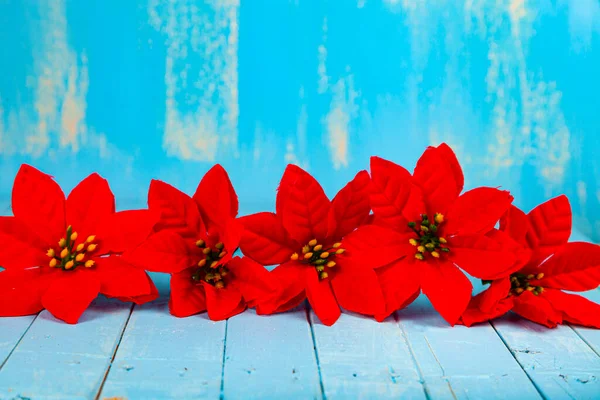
x,y
125,352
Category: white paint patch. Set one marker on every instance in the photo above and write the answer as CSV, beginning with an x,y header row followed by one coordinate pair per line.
x,y
56,119
201,78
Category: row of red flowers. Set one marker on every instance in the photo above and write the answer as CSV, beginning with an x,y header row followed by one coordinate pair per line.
x,y
385,238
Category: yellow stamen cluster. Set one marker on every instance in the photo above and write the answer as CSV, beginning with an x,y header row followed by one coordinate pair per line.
x,y
428,241
71,255
209,268
520,283
319,256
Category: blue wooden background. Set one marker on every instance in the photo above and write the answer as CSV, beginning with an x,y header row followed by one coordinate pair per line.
x,y
163,89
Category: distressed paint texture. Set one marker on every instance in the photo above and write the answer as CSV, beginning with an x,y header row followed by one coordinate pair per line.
x,y
164,88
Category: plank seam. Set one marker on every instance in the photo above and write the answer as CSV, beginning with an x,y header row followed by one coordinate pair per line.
x,y
539,390
115,352
307,308
413,356
222,394
584,340
18,342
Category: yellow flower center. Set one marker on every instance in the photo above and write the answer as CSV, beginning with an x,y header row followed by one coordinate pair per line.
x,y
520,283
428,241
72,254
209,268
319,256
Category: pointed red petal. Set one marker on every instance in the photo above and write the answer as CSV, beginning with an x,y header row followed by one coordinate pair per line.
x,y
252,280
21,290
488,256
144,298
516,224
39,202
550,224
125,230
303,206
26,248
440,176
498,291
120,279
400,282
223,303
89,204
187,298
536,309
575,266
351,206
575,309
164,252
447,288
357,289
216,197
394,197
475,315
265,240
178,212
321,298
291,280
375,246
477,211
70,295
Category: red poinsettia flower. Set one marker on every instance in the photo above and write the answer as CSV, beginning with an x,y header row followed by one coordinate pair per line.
x,y
305,237
423,230
195,241
59,254
536,290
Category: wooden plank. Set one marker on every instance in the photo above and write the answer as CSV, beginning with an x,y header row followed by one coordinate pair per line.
x,y
13,329
270,357
461,362
162,356
361,358
57,360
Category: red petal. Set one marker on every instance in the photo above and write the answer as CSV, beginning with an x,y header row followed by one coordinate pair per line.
x,y
39,202
477,211
70,295
440,176
375,246
575,309
475,315
575,266
550,224
357,289
400,282
447,288
498,291
536,309
265,240
253,281
89,205
351,206
120,279
144,298
223,303
516,224
164,252
487,256
231,238
303,206
178,211
21,290
321,298
26,248
290,277
216,197
126,230
394,197
187,298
